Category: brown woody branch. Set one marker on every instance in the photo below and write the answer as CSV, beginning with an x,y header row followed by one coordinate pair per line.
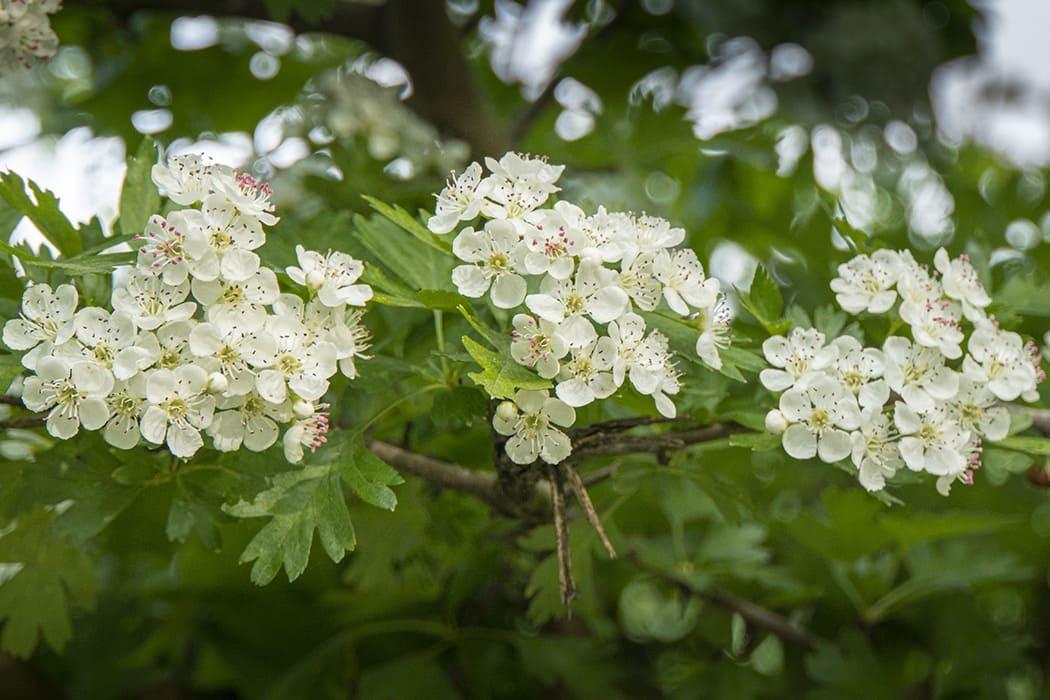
x,y
750,611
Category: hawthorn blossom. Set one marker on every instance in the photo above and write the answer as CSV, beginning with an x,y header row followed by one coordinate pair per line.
x,y
999,359
918,373
594,293
125,402
822,414
860,370
248,420
74,393
496,256
151,302
219,240
961,282
537,345
460,200
331,277
976,410
587,375
930,440
46,317
552,246
866,283
233,350
179,408
518,185
640,283
713,322
310,431
683,281
298,365
874,451
935,324
243,302
26,35
186,179
627,335
530,422
793,357
648,234
248,195
160,248
109,340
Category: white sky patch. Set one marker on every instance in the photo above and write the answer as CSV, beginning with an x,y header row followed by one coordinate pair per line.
x,y
85,172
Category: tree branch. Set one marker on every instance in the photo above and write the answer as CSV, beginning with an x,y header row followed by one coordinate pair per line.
x,y
748,610
22,423
481,485
1040,416
11,400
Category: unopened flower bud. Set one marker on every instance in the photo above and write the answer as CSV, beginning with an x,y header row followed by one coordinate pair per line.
x,y
314,280
302,409
218,383
776,423
507,411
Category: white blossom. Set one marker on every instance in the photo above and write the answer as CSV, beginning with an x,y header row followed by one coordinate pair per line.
x,y
793,357
930,440
713,323
331,277
496,256
918,373
298,365
242,302
866,283
248,420
234,350
249,196
874,451
178,409
976,410
537,345
185,179
460,200
219,240
532,432
552,246
587,375
822,414
960,281
683,281
126,402
306,432
999,359
935,324
75,394
151,302
46,317
860,370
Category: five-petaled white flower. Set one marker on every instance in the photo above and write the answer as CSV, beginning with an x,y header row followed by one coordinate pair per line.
x,y
495,256
179,408
74,393
794,357
331,277
531,428
822,414
866,283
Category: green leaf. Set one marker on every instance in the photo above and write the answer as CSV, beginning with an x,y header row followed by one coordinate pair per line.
x,y
1029,445
422,267
856,239
44,214
501,376
367,475
139,198
758,442
75,266
489,334
45,576
442,299
298,503
763,300
409,223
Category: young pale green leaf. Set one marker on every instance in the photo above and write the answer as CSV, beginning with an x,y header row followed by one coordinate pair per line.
x,y
45,213
763,300
41,578
1030,445
421,267
441,299
409,223
368,476
298,503
757,442
501,376
139,198
489,334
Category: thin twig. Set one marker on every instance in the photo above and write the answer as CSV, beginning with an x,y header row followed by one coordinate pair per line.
x,y
1040,416
11,400
561,534
576,484
750,611
481,485
630,444
23,422
600,475
584,433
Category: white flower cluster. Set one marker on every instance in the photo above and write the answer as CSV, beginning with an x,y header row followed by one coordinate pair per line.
x,y
582,278
25,33
926,401
235,362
